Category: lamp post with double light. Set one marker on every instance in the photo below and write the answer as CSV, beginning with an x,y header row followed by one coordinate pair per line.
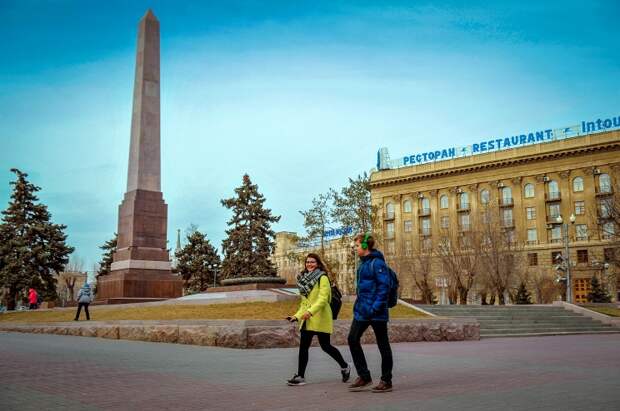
x,y
569,284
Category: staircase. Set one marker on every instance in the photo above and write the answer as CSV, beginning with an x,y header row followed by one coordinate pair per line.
x,y
523,320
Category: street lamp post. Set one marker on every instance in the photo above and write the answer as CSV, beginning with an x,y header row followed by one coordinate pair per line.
x,y
569,284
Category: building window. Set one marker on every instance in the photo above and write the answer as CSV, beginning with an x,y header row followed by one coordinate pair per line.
x,y
408,248
529,190
532,259
604,209
445,222
556,234
464,201
389,230
554,189
506,195
486,218
389,210
464,221
582,256
426,226
485,196
390,247
532,236
530,212
577,184
580,207
609,230
604,183
443,201
507,217
554,211
425,204
408,225
609,254
407,206
555,257
581,232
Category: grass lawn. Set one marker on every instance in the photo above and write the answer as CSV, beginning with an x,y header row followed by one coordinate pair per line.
x,y
240,311
611,311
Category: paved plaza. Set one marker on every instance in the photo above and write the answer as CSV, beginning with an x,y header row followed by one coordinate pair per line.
x,y
48,372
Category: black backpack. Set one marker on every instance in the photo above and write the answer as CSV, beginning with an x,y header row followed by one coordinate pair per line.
x,y
336,301
393,294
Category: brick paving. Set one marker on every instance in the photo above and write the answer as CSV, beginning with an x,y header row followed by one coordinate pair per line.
x,y
49,372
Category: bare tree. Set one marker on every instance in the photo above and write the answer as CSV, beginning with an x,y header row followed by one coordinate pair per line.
x,y
72,271
317,220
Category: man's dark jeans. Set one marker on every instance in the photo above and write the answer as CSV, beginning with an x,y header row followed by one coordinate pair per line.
x,y
355,335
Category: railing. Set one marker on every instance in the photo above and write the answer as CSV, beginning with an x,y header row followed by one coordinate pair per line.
x,y
555,240
508,222
553,196
532,242
604,191
425,232
424,211
553,218
506,202
462,207
388,216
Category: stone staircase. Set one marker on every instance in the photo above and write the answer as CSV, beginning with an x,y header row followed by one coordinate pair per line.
x,y
523,320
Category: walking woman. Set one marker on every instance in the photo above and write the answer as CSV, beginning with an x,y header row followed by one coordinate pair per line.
x,y
315,317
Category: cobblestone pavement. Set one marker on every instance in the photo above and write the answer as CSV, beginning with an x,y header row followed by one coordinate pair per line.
x,y
48,372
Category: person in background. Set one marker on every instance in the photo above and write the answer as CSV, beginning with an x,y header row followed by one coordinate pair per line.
x,y
33,299
84,298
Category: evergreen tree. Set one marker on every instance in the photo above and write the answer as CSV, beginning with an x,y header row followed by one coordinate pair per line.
x,y
250,241
109,248
523,296
598,294
32,248
198,262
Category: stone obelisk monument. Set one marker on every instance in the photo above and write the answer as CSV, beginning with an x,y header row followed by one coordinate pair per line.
x,y
141,266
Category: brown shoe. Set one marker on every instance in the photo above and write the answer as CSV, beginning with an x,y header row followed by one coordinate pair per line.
x,y
360,384
382,387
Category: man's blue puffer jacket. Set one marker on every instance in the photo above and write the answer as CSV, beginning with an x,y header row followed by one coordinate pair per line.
x,y
372,289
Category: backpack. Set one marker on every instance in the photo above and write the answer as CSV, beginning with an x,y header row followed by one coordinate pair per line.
x,y
336,300
393,293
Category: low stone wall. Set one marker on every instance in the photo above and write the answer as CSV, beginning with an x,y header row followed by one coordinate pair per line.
x,y
249,333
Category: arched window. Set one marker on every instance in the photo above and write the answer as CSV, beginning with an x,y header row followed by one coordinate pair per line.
x,y
389,210
553,187
528,190
464,201
426,203
577,184
604,183
485,196
407,206
443,201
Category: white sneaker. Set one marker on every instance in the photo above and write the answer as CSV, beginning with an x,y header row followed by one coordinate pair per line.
x,y
296,380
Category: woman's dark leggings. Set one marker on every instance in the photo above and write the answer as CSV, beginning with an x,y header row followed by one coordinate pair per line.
x,y
304,346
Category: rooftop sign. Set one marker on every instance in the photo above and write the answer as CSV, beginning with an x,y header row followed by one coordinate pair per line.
x,y
495,144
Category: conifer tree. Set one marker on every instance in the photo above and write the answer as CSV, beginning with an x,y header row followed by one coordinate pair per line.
x,y
250,241
198,262
109,247
523,296
32,248
597,294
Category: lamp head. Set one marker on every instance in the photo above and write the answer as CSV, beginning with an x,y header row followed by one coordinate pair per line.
x,y
572,218
559,219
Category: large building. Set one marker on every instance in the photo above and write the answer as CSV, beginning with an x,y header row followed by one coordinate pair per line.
x,y
529,187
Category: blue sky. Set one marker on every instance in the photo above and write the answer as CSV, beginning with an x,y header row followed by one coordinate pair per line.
x,y
300,95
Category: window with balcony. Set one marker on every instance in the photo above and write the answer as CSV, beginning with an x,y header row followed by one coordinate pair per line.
x,y
581,232
532,236
407,206
407,226
604,209
425,206
507,217
425,227
485,196
443,201
389,211
604,183
528,190
427,244
532,259
464,222
506,196
554,211
609,230
555,234
580,207
445,222
577,184
530,213
582,256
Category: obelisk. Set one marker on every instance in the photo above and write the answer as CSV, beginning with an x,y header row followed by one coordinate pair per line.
x,y
141,266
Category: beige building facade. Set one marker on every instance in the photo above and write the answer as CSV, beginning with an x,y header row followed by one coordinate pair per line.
x,y
530,187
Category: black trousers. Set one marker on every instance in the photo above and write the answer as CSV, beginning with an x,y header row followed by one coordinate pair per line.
x,y
383,342
80,305
324,342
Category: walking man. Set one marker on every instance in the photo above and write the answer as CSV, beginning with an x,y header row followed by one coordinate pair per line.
x,y
84,298
371,310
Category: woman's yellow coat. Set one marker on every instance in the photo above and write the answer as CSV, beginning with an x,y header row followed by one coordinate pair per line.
x,y
317,303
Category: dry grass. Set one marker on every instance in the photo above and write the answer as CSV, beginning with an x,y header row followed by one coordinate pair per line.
x,y
241,311
611,311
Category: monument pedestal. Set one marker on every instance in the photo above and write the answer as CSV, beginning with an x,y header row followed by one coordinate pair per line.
x,y
138,285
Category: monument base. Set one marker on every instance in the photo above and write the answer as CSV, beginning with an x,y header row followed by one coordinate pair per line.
x,y
138,285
